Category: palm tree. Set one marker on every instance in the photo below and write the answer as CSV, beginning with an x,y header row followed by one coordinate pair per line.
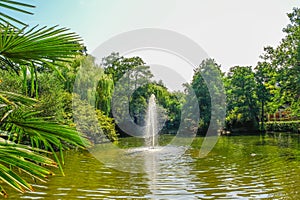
x,y
26,139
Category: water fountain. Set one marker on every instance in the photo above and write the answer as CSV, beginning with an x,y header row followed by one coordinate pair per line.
x,y
151,131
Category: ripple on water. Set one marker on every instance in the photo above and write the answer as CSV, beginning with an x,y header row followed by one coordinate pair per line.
x,y
30,197
228,172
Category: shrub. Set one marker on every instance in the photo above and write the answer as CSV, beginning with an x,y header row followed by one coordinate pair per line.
x,y
282,126
93,123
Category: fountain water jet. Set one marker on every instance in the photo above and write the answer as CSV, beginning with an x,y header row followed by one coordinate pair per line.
x,y
151,132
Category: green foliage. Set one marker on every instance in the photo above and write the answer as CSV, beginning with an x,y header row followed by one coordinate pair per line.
x,y
104,93
242,107
53,99
85,78
189,105
19,124
265,77
167,102
26,159
9,81
128,75
117,66
207,85
283,126
13,6
93,123
285,59
132,80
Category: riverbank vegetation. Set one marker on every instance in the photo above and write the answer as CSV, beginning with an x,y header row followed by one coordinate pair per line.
x,y
40,67
29,136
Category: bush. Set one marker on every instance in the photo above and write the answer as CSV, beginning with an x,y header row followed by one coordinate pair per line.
x,y
53,98
283,126
93,123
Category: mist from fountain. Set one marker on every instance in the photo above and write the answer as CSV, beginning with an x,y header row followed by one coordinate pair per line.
x,y
151,131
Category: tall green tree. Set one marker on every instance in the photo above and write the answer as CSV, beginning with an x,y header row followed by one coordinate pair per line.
x,y
266,90
117,66
85,77
207,84
104,93
285,58
242,106
128,75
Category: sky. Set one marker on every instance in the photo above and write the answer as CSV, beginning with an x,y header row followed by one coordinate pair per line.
x,y
233,32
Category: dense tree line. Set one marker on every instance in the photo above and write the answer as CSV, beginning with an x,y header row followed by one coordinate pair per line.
x,y
271,85
251,92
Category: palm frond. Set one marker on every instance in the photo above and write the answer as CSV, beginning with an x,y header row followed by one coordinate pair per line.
x,y
10,101
13,6
14,98
23,125
24,158
44,46
20,123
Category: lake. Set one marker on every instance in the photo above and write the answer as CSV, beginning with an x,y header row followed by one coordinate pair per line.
x,y
238,167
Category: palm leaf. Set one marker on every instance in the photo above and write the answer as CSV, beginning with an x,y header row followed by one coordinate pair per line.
x,y
10,101
14,98
24,158
45,47
20,123
41,133
13,6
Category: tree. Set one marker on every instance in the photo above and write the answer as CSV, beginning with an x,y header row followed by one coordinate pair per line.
x,y
242,107
265,77
285,59
117,66
128,75
104,94
85,78
208,86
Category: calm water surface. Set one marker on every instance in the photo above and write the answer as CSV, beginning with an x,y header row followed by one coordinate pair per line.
x,y
239,167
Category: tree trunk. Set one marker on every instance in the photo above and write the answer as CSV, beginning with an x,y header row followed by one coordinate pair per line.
x,y
262,115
